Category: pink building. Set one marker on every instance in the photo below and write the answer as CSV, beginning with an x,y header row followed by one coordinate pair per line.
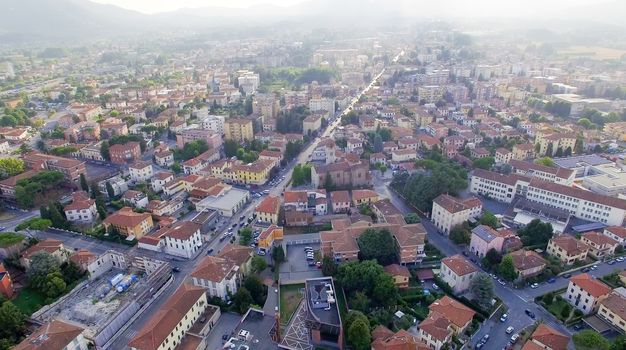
x,y
485,238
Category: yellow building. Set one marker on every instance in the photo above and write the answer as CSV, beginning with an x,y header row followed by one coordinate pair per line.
x,y
567,249
255,173
364,197
268,210
612,311
554,142
267,237
238,129
129,223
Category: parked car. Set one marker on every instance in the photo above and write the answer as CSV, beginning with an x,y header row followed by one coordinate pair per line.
x,y
176,269
501,281
620,259
261,252
551,280
567,275
485,338
209,251
611,262
530,314
504,317
594,267
534,285
586,269
514,338
510,330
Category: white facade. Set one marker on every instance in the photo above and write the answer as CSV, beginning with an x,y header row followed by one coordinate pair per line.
x,y
184,248
105,262
221,289
581,299
141,173
86,215
214,123
445,220
322,104
158,183
495,189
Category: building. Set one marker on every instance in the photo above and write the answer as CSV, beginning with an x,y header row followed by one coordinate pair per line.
x,y
55,335
82,209
70,168
160,179
340,201
546,338
340,174
140,171
218,276
485,238
502,188
227,201
212,139
134,198
238,129
612,310
322,318
617,233
214,123
51,246
527,263
125,153
168,327
600,246
458,272
269,236
585,293
567,249
311,201
449,211
182,239
128,223
549,144
364,197
403,155
562,176
503,156
400,274
446,318
268,210
239,255
384,339
6,284
312,124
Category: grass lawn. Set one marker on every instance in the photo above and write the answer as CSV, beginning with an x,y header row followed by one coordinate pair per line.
x,y
29,301
290,297
8,239
557,306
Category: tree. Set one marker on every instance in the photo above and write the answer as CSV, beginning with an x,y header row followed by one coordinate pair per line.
x,y
329,266
278,254
328,182
55,285
110,190
58,219
258,264
412,218
590,340
176,168
83,183
536,233
378,143
565,311
34,224
242,300
547,161
481,287
493,257
42,264
257,290
506,269
619,343
12,321
484,163
378,245
548,298
366,277
359,335
104,150
360,301
460,235
230,148
245,236
11,167
489,219
102,212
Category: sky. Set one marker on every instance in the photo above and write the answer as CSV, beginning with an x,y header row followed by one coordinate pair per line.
x,y
489,7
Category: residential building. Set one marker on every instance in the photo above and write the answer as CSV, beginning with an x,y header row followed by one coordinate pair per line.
x,y
567,249
55,335
400,274
6,284
136,199
267,211
312,124
403,155
51,246
168,326
140,171
239,255
71,168
340,201
527,263
458,272
617,233
218,276
340,174
562,176
600,246
446,318
212,139
546,338
269,236
125,153
384,339
160,179
364,197
449,211
325,151
214,123
503,156
82,209
128,223
584,292
523,151
485,238
312,201
549,144
238,129
612,310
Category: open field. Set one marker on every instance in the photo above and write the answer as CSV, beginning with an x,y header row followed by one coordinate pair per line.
x,y
290,297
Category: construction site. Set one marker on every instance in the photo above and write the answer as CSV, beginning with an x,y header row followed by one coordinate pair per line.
x,y
105,304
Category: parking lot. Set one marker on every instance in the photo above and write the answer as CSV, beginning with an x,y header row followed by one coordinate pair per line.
x,y
297,266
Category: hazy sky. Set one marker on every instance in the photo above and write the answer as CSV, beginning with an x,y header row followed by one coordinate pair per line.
x,y
494,7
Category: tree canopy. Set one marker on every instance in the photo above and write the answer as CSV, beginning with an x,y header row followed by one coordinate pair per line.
x,y
11,167
590,340
481,287
370,278
536,233
506,269
377,245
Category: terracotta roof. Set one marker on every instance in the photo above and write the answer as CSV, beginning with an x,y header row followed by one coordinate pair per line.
x,y
599,239
48,245
510,179
381,332
236,253
452,310
163,175
617,230
83,257
616,303
269,230
526,259
182,230
125,217
295,196
213,268
571,245
402,340
269,205
562,173
54,335
459,265
579,193
80,201
590,285
437,326
12,181
121,148
158,328
397,270
361,194
454,205
340,197
410,235
550,337
140,165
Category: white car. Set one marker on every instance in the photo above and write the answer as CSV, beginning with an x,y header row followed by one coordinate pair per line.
x,y
509,330
534,285
514,338
620,259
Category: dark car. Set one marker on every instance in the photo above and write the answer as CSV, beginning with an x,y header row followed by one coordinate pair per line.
x,y
586,269
209,251
234,225
176,269
567,275
551,280
530,314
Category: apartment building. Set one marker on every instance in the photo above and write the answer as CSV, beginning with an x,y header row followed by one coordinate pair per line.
x,y
125,153
446,318
311,124
549,144
51,246
160,179
600,246
617,233
485,238
384,339
55,335
527,263
546,338
449,211
212,139
503,156
129,223
82,209
70,168
584,292
457,272
267,211
612,310
140,171
567,249
340,201
214,123
363,197
340,174
182,239
220,277
269,236
238,129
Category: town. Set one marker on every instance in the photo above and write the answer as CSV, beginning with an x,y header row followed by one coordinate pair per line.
x,y
424,186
